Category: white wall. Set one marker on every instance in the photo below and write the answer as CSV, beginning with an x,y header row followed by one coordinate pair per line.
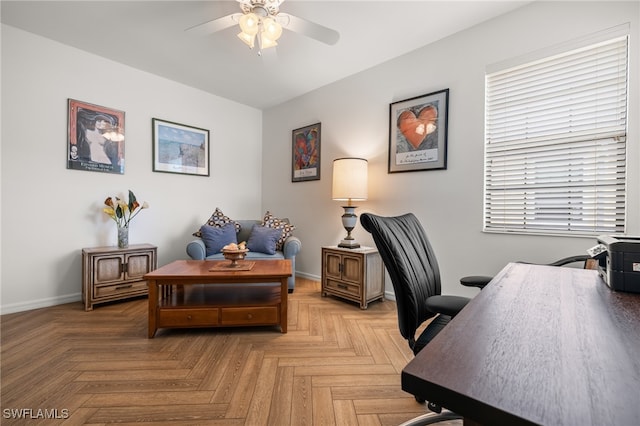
x,y
355,117
49,213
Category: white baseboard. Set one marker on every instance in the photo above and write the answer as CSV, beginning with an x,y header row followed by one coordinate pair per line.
x,y
40,303
77,297
390,295
308,276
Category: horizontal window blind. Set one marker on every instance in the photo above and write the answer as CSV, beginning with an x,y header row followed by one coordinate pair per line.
x,y
555,143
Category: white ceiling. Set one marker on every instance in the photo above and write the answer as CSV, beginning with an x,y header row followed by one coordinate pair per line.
x,y
150,36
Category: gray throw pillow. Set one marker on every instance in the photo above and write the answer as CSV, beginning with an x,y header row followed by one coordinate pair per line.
x,y
263,239
216,237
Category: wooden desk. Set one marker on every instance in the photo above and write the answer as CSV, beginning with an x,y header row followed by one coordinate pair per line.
x,y
539,345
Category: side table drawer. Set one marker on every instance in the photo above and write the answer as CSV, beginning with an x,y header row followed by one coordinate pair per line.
x,y
250,315
119,289
344,287
187,317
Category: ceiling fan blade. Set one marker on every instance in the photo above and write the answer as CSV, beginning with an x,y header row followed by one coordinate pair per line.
x,y
311,29
215,25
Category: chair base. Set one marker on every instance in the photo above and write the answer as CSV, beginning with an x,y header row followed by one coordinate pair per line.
x,y
431,418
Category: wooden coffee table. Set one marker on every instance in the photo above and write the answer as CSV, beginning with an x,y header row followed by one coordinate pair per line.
x,y
206,293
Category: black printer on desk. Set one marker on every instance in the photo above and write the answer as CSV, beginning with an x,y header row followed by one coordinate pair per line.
x,y
618,262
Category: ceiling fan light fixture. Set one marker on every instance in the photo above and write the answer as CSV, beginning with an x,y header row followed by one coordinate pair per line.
x,y
247,39
271,29
262,19
260,25
250,23
266,42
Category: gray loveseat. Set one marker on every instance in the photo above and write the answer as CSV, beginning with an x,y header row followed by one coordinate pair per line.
x,y
196,249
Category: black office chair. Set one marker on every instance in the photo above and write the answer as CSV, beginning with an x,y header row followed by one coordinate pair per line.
x,y
413,268
408,257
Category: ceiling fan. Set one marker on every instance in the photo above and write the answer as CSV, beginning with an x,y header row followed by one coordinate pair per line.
x,y
262,20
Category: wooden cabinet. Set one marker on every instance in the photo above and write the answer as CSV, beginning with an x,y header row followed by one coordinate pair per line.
x,y
353,274
112,273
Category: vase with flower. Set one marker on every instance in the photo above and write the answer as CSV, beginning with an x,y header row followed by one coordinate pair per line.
x,y
123,213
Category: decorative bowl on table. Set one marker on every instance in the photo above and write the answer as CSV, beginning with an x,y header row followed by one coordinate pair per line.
x,y
234,255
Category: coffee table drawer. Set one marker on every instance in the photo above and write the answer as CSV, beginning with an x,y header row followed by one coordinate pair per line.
x,y
250,315
187,317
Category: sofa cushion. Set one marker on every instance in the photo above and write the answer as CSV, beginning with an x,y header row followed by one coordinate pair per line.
x,y
282,224
263,239
216,237
218,219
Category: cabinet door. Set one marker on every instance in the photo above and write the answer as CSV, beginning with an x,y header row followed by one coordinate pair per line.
x,y
332,265
138,264
107,269
352,268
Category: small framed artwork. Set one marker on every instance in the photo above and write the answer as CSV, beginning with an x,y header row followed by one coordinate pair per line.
x,y
95,139
178,148
306,153
418,133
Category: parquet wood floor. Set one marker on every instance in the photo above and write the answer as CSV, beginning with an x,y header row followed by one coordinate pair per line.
x,y
337,365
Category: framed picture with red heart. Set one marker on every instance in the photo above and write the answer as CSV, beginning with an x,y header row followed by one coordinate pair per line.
x,y
418,133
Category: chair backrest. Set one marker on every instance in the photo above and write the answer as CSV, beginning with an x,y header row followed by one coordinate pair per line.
x,y
411,263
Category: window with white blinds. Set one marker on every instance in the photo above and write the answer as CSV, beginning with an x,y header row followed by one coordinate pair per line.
x,y
555,143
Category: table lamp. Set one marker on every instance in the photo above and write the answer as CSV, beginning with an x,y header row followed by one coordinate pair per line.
x,y
349,184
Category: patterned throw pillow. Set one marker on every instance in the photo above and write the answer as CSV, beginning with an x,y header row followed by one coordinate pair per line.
x,y
283,224
218,220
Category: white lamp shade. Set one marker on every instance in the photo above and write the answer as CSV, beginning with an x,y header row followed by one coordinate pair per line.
x,y
350,179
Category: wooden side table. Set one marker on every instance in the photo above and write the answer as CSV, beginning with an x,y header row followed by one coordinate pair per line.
x,y
112,273
353,274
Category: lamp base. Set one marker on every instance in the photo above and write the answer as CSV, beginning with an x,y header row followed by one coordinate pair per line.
x,y
349,220
350,244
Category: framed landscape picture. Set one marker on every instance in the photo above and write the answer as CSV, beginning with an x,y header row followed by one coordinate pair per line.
x,y
418,133
178,148
306,153
95,139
